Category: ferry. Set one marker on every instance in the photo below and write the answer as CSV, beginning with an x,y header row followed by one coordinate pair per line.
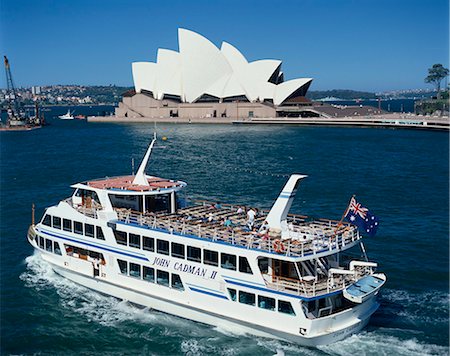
x,y
67,116
266,273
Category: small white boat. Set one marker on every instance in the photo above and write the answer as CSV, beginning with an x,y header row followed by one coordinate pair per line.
x,y
68,116
364,288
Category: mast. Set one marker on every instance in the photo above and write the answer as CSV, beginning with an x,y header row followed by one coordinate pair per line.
x,y
140,178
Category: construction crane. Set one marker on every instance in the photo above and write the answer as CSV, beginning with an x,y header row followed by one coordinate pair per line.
x,y
16,116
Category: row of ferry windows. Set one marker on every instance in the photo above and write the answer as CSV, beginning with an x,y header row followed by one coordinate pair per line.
x,y
48,245
148,274
263,302
177,250
73,226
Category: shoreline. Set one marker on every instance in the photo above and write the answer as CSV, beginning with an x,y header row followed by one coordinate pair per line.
x,y
395,120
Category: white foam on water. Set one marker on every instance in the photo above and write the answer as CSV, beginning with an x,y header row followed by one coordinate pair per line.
x,y
427,307
374,343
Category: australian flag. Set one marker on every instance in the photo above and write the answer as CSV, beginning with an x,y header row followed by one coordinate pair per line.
x,y
357,215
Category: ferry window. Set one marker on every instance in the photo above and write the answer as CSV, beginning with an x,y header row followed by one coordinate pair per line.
x,y
121,237
177,250
232,293
194,254
56,222
210,257
48,245
148,243
244,266
158,203
263,264
135,240
228,261
67,225
149,274
41,242
135,270
285,307
176,282
266,302
123,265
56,248
246,298
162,247
162,277
47,220
99,231
78,227
89,230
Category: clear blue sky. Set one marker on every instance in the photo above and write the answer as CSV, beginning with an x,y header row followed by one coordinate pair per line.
x,y
358,44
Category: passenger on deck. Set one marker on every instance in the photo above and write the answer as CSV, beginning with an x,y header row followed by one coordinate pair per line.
x,y
227,222
240,210
251,218
218,205
264,230
210,217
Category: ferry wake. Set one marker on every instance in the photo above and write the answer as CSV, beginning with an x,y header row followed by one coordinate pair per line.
x,y
271,273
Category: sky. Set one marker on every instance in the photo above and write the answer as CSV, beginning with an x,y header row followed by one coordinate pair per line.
x,y
343,44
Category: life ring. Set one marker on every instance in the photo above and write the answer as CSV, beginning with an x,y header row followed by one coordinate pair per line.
x,y
278,246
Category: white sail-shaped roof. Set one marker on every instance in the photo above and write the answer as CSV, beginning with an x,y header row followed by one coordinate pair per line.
x,y
200,68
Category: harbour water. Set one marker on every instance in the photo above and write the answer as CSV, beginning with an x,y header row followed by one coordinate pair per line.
x,y
401,175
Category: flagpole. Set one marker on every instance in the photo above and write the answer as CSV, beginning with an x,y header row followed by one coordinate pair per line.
x,y
343,215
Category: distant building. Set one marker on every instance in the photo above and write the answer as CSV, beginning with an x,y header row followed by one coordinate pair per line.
x,y
201,80
36,90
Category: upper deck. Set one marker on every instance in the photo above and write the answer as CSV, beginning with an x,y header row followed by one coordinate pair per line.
x,y
306,238
126,183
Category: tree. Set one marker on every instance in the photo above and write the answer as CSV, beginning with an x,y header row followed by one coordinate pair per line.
x,y
435,75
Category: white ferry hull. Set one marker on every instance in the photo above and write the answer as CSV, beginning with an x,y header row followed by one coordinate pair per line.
x,y
361,313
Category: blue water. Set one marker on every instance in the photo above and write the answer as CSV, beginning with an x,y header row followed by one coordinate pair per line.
x,y
402,175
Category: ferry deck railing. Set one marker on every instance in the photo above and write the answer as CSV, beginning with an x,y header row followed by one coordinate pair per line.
x,y
315,286
306,238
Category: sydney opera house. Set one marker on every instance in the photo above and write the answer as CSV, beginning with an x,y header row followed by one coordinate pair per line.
x,y
201,80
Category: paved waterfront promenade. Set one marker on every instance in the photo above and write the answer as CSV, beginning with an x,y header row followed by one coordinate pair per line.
x,y
394,120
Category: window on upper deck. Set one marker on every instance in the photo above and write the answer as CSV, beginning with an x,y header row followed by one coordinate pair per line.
x,y
162,247
78,227
177,250
89,230
47,220
148,243
99,232
125,201
157,203
134,240
41,242
228,261
194,254
121,237
285,307
263,264
56,222
67,225
210,257
244,266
